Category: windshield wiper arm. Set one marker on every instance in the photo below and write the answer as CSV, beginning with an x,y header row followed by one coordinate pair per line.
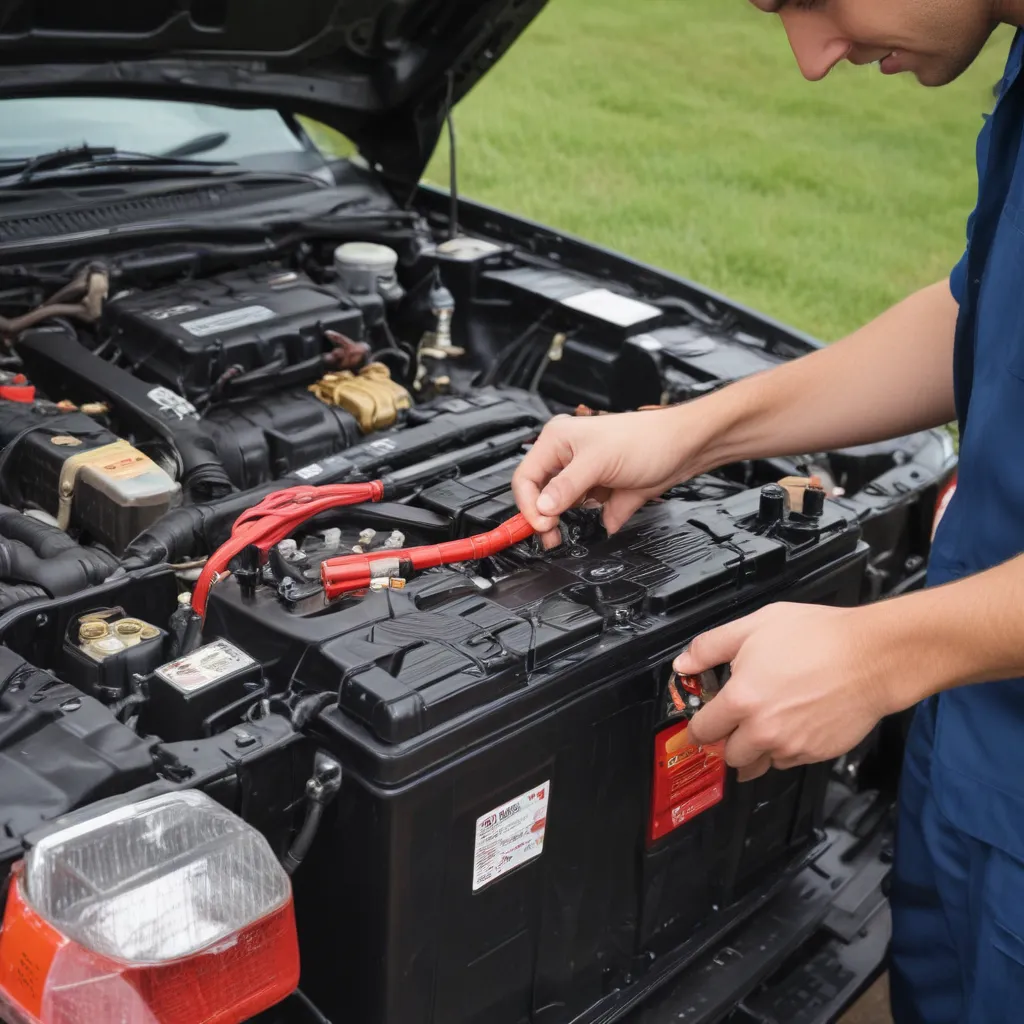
x,y
200,144
100,156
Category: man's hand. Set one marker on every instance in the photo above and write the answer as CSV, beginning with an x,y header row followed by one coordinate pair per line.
x,y
808,683
620,461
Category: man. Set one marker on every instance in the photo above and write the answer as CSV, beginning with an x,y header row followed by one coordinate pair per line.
x,y
809,682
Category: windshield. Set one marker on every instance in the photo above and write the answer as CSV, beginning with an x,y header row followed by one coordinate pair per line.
x,y
35,126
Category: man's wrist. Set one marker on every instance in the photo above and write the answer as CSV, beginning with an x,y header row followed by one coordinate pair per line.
x,y
923,645
721,421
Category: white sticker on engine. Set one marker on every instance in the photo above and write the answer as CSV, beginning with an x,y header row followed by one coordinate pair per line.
x,y
168,311
229,321
510,835
173,403
612,308
308,472
205,666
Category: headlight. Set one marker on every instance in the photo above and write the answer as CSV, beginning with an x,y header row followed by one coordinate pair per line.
x,y
167,911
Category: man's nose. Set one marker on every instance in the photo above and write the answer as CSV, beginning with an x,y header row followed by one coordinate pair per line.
x,y
817,46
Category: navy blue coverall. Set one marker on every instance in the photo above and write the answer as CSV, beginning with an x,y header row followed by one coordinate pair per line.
x,y
958,885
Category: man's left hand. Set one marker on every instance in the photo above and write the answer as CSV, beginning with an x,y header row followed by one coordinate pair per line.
x,y
808,683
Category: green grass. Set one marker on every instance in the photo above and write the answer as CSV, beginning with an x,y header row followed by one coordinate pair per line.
x,y
681,133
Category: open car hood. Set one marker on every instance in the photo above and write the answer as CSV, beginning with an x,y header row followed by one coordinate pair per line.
x,y
378,71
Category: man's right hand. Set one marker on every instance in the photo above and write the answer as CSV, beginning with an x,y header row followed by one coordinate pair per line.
x,y
620,461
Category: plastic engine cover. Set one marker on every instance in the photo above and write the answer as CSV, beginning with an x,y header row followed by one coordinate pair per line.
x,y
266,322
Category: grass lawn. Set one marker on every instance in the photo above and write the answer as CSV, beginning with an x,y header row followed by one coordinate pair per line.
x,y
680,132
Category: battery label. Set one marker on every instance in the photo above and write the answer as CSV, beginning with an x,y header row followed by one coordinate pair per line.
x,y
205,666
246,316
688,780
510,835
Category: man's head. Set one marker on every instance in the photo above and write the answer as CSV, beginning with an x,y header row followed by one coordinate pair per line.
x,y
936,40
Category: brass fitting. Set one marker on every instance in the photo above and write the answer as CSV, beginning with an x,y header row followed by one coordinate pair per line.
x,y
371,396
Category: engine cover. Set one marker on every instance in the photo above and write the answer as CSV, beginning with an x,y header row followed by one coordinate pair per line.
x,y
262,325
265,438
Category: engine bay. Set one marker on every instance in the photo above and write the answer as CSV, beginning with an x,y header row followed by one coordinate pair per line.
x,y
257,513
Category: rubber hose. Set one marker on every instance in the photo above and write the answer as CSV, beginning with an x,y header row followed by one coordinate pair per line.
x,y
61,575
45,540
12,595
304,840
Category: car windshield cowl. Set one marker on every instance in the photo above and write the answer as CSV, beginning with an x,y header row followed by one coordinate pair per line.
x,y
20,181
20,172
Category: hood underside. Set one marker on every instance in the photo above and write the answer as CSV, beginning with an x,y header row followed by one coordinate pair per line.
x,y
378,71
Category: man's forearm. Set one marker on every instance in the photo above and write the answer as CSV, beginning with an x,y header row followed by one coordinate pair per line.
x,y
890,378
970,631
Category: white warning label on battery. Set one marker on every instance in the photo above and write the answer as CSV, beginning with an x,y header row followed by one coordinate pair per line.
x,y
205,666
229,321
510,835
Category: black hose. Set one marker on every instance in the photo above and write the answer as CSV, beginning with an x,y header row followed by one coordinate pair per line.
x,y
12,595
309,707
304,840
45,540
321,789
42,555
59,575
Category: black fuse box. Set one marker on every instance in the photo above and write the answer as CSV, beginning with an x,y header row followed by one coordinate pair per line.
x,y
184,693
266,322
501,730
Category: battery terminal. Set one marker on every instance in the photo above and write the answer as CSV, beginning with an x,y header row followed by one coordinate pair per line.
x,y
690,693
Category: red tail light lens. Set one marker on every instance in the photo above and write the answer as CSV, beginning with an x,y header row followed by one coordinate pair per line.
x,y
171,911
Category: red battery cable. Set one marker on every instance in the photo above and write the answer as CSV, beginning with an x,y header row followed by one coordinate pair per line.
x,y
273,519
283,512
348,573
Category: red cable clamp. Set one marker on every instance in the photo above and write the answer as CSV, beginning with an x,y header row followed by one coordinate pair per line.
x,y
273,519
349,573
14,387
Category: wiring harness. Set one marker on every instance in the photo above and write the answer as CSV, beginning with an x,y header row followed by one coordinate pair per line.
x,y
273,519
283,512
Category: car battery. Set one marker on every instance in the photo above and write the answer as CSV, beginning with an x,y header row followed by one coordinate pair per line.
x,y
510,844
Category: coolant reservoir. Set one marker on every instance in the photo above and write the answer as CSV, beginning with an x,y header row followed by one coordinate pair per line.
x,y
365,268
